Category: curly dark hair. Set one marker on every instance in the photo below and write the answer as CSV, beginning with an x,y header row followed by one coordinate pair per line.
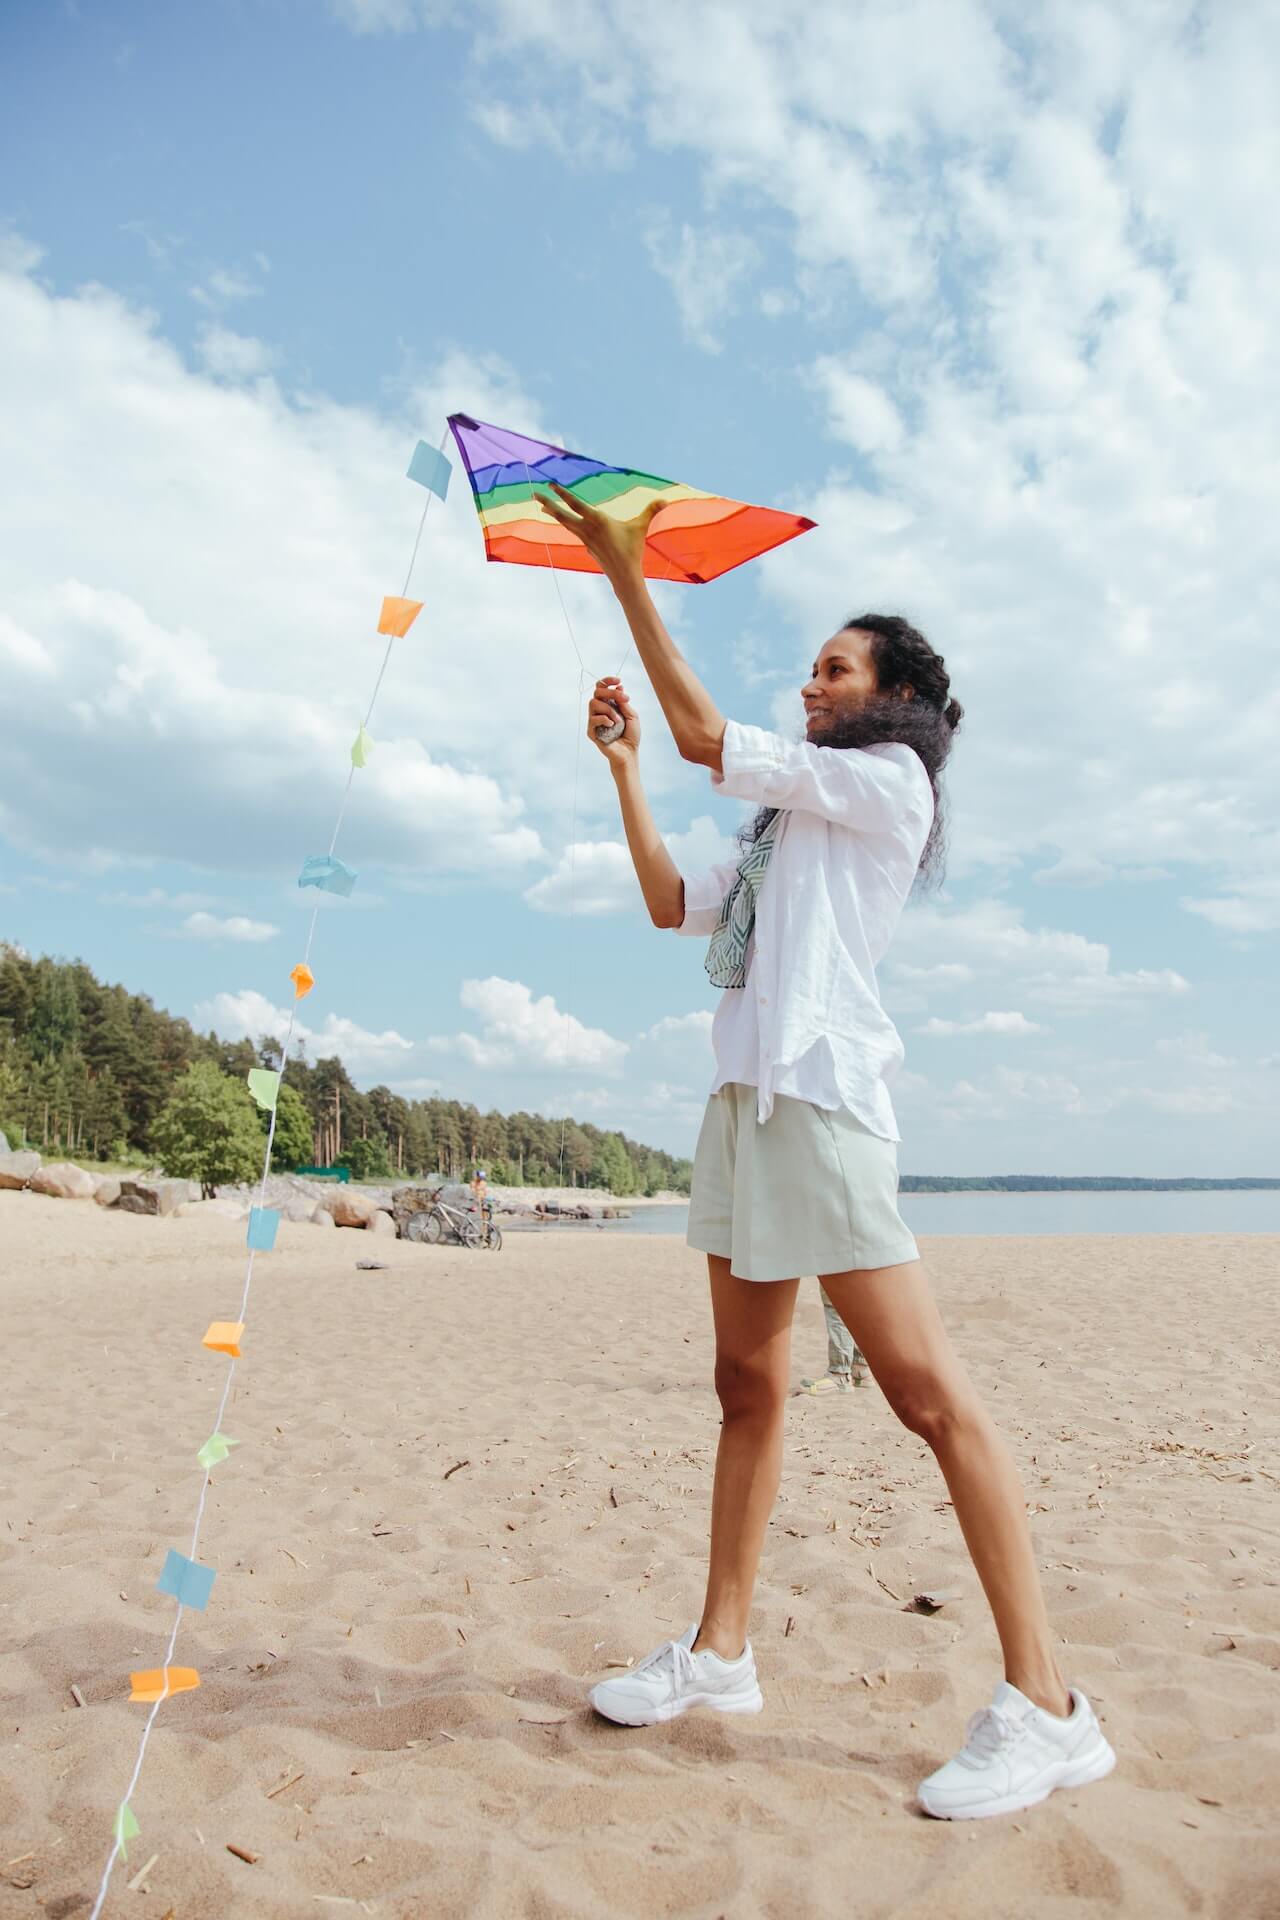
x,y
926,722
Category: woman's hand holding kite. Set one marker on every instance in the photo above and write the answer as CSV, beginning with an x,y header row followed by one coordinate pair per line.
x,y
617,546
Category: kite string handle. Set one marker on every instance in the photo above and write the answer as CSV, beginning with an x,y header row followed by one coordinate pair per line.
x,y
611,730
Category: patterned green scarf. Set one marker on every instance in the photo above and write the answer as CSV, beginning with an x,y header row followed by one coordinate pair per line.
x,y
726,961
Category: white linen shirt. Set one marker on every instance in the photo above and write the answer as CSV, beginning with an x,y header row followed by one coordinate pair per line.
x,y
808,1022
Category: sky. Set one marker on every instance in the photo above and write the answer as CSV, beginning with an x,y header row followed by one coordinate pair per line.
x,y
990,293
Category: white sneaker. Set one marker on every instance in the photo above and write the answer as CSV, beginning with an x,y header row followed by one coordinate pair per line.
x,y
1014,1755
671,1679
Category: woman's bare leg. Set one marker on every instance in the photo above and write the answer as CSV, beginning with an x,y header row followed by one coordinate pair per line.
x,y
753,1357
891,1313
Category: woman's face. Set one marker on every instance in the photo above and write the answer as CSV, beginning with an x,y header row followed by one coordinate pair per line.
x,y
844,678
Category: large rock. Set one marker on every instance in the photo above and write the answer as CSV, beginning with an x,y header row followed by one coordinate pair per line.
x,y
349,1209
153,1196
16,1169
61,1181
106,1189
321,1217
381,1223
295,1206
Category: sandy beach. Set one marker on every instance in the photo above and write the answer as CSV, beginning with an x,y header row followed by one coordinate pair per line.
x,y
468,1483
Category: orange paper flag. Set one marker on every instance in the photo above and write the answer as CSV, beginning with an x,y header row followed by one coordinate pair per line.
x,y
303,980
224,1337
398,616
151,1684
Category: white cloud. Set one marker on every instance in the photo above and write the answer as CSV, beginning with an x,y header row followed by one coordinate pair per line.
x,y
1014,1024
859,410
233,356
224,287
1087,872
704,270
1194,1050
23,653
520,1033
682,1026
592,877
1059,968
597,876
1253,906
248,1015
207,926
216,644
160,246
1190,1100
158,897
1056,277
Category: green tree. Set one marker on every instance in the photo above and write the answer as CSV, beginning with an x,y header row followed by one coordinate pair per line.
x,y
209,1130
367,1159
294,1138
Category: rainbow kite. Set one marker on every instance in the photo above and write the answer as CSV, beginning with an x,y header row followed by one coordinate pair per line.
x,y
695,537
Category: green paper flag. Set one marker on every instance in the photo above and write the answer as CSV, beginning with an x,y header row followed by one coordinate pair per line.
x,y
361,748
126,1828
215,1449
264,1085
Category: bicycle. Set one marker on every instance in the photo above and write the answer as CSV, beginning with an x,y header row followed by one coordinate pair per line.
x,y
443,1223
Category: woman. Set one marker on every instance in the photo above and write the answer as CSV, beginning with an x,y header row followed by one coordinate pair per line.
x,y
795,1170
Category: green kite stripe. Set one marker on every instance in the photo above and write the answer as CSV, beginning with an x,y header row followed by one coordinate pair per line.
x,y
594,489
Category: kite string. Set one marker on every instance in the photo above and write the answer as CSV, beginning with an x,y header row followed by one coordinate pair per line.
x,y
573,829
584,679
573,884
386,658
117,1845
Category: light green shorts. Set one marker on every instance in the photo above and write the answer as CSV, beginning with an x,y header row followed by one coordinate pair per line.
x,y
810,1192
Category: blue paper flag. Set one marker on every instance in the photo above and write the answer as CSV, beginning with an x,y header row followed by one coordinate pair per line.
x,y
323,871
188,1582
430,469
263,1222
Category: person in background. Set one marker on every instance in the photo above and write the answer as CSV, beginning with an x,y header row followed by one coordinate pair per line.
x,y
846,1362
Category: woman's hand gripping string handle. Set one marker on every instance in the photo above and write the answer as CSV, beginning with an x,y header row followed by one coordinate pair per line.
x,y
612,721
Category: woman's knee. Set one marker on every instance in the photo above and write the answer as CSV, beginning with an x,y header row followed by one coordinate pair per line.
x,y
748,1388
934,1405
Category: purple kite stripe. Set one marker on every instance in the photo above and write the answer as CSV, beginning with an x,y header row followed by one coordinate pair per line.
x,y
487,446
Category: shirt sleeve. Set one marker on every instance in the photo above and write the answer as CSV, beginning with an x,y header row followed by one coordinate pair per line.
x,y
871,789
704,896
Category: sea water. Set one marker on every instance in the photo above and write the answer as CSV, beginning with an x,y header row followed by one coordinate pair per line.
x,y
1246,1210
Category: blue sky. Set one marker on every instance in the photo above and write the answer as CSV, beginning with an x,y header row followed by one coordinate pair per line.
x,y
993,305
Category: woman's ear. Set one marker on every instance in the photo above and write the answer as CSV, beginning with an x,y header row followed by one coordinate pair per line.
x,y
907,692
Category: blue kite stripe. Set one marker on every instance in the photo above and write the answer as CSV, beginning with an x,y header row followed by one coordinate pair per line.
x,y
563,467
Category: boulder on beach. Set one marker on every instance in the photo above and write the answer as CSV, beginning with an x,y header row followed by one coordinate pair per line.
x,y
321,1217
349,1209
382,1223
153,1196
16,1169
62,1181
106,1189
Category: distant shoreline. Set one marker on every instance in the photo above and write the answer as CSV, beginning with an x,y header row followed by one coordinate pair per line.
x,y
941,1185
